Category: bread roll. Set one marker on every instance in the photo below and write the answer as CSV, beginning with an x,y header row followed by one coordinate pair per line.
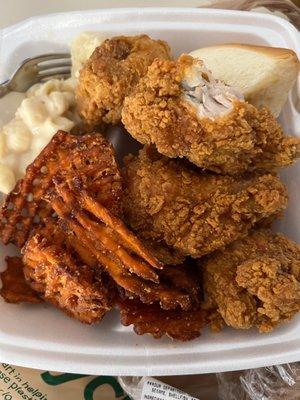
x,y
264,75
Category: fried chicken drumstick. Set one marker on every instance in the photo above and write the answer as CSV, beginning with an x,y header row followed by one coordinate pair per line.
x,y
185,112
111,73
255,281
193,212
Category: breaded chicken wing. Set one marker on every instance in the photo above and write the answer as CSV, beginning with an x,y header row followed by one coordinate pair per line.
x,y
185,112
111,73
194,212
255,281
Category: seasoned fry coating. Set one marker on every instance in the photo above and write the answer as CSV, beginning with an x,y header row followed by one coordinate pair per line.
x,y
185,112
177,324
55,270
254,281
165,254
119,251
14,287
111,73
89,157
196,213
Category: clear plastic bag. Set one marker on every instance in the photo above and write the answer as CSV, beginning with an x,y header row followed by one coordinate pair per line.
x,y
269,383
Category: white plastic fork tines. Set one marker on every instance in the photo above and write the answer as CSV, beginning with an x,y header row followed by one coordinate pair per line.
x,y
37,69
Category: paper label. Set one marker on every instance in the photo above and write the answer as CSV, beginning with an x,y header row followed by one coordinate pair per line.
x,y
156,390
17,383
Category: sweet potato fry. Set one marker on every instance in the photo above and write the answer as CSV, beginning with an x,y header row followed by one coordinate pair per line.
x,y
128,238
177,324
104,237
14,287
90,157
121,254
61,276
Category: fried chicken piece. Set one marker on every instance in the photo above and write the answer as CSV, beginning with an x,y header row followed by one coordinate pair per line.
x,y
55,270
194,212
185,112
255,281
111,73
177,324
122,255
90,157
14,286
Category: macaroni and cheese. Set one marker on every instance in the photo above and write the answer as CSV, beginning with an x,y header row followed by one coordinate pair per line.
x,y
45,109
41,112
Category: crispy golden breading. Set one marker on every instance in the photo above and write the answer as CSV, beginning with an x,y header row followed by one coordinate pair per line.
x,y
15,289
129,263
111,73
194,212
89,157
254,281
162,111
177,324
54,268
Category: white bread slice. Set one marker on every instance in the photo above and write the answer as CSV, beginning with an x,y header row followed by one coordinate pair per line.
x,y
264,75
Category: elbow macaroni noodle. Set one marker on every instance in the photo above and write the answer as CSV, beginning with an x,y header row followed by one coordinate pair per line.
x,y
46,108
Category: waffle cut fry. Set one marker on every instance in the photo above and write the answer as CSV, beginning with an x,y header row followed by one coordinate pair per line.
x,y
14,286
177,324
57,268
90,157
122,255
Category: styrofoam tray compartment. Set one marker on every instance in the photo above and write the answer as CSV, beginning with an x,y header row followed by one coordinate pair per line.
x,y
41,336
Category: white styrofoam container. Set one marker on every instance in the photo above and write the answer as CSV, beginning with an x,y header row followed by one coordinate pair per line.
x,y
42,337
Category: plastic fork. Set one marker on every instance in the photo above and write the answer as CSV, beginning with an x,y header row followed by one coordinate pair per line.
x,y
37,69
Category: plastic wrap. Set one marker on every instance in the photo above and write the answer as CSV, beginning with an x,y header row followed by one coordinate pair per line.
x,y
270,383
